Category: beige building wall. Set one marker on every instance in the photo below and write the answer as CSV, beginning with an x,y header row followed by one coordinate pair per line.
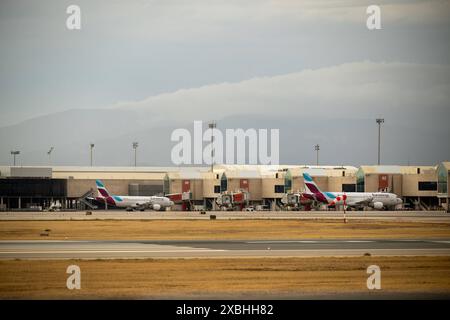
x,y
371,183
255,189
447,204
78,187
335,183
405,185
208,187
268,187
234,184
108,175
396,185
297,184
197,189
410,184
175,186
322,183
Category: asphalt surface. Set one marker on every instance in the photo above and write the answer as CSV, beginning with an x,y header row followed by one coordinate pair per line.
x,y
410,216
41,249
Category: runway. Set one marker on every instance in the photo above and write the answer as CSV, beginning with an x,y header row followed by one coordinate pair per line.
x,y
409,216
41,249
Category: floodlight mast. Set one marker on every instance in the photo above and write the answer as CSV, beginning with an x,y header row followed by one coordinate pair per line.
x,y
379,121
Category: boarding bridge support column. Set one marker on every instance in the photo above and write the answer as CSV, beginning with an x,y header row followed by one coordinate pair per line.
x,y
448,207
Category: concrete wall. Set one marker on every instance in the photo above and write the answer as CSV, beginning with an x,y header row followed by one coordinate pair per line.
x,y
233,184
255,189
29,172
396,185
410,184
268,187
297,184
197,189
322,183
175,186
208,187
335,183
109,175
371,182
77,187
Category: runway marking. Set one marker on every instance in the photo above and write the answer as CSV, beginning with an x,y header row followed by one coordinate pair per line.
x,y
283,241
109,251
312,241
211,250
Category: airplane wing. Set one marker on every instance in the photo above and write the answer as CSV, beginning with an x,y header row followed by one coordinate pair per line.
x,y
363,202
145,205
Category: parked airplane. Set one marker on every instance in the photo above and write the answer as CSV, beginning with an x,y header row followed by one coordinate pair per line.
x,y
132,202
376,200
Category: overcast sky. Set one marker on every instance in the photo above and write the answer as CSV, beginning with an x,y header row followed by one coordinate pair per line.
x,y
218,59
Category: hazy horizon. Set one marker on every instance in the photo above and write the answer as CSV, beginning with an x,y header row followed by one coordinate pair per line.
x,y
139,69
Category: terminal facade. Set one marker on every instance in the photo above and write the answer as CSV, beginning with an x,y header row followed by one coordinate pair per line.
x,y
31,188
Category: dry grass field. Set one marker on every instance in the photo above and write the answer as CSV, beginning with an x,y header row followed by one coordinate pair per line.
x,y
223,278
219,229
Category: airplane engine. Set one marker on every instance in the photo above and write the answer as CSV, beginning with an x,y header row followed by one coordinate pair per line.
x,y
378,205
156,207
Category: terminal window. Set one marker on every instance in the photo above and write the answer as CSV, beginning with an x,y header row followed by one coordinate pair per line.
x,y
427,185
348,187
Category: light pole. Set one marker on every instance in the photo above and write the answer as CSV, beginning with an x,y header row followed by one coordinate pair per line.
x,y
212,126
14,154
92,147
49,152
317,148
379,121
135,145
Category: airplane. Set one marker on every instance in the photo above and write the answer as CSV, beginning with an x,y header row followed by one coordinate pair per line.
x,y
157,203
376,200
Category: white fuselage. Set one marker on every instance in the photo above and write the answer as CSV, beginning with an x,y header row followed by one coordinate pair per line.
x,y
360,198
141,201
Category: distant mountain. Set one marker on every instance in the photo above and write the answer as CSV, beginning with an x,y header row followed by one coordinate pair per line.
x,y
349,142
335,107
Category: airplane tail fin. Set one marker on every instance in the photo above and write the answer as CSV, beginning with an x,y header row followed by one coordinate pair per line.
x,y
101,189
310,185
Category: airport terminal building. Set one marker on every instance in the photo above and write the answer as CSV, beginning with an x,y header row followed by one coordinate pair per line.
x,y
35,188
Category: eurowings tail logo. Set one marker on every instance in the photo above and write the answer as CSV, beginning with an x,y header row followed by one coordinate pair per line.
x,y
101,189
311,186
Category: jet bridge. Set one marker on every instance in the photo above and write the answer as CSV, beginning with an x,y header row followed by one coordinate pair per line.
x,y
84,202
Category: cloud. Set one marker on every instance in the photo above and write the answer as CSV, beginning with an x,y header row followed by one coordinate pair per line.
x,y
134,49
413,94
354,11
334,106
